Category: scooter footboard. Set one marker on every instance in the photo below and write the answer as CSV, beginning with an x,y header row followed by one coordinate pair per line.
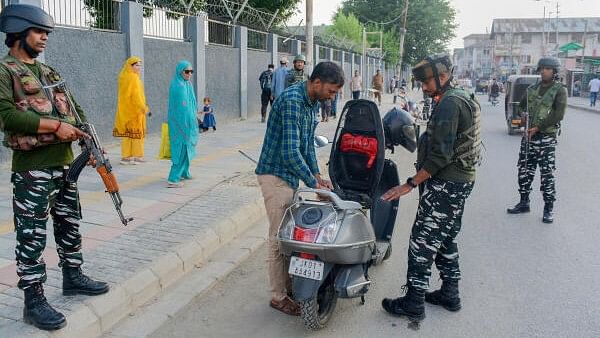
x,y
350,281
306,288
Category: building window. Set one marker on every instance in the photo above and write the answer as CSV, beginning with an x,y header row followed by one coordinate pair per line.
x,y
577,37
526,38
526,58
551,37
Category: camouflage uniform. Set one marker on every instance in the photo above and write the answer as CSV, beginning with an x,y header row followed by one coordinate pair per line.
x,y
433,235
443,196
546,109
542,152
39,165
294,76
37,195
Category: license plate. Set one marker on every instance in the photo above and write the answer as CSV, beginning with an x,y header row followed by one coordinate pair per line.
x,y
306,268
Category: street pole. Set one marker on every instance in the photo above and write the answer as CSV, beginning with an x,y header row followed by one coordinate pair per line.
x,y
402,34
557,43
309,36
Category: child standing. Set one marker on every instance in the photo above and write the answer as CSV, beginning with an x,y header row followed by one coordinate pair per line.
x,y
209,117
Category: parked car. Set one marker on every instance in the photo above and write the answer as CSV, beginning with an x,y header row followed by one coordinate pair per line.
x,y
516,89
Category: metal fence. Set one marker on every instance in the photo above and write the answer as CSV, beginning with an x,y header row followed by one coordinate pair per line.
x,y
323,53
347,57
221,33
164,24
257,39
91,14
284,45
337,55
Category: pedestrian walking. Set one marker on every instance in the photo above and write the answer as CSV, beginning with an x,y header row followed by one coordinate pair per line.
x,y
392,85
130,117
209,120
266,83
446,161
287,157
545,103
594,87
377,83
334,104
38,125
356,85
183,126
297,74
279,76
325,110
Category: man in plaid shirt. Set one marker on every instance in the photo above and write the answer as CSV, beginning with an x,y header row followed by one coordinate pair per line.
x,y
288,156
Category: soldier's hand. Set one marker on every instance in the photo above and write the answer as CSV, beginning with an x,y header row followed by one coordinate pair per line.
x,y
396,192
67,132
532,131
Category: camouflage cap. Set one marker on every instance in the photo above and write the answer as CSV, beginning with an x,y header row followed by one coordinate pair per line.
x,y
423,70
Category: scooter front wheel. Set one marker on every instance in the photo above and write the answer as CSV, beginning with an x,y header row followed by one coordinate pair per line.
x,y
317,310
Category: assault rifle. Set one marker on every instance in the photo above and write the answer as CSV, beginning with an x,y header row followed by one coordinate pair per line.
x,y
526,137
91,146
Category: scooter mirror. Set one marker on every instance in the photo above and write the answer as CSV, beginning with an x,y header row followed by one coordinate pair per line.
x,y
321,141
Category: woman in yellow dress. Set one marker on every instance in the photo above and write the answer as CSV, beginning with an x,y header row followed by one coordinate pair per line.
x,y
130,119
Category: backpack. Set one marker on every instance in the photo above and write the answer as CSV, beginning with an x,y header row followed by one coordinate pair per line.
x,y
266,80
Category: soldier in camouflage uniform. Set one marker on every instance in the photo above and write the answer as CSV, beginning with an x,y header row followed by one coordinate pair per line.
x,y
38,126
297,74
545,104
448,154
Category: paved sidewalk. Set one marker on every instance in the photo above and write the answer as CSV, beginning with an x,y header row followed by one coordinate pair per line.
x,y
173,230
583,103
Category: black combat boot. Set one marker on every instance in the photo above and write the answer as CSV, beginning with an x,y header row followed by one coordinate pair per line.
x,y
521,207
446,296
75,282
38,312
548,213
412,305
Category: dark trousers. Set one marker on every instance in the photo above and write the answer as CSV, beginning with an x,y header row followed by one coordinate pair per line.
x,y
356,95
265,100
434,232
542,153
593,97
37,195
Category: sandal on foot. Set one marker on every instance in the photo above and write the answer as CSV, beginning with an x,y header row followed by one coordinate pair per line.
x,y
286,305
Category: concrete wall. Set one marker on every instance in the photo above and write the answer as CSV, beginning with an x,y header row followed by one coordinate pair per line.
x,y
160,60
222,84
257,63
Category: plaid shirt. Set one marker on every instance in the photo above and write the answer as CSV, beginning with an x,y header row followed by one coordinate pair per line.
x,y
288,149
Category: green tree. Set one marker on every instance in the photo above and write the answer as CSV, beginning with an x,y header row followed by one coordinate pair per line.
x,y
430,25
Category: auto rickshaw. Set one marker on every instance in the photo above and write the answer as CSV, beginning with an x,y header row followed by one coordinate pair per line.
x,y
516,88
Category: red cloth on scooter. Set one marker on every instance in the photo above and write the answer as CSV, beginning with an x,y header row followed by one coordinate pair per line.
x,y
360,144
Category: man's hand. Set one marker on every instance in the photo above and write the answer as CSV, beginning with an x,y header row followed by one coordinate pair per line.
x,y
397,192
532,131
67,132
323,183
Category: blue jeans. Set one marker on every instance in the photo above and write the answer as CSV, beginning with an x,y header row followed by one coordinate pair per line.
x,y
593,96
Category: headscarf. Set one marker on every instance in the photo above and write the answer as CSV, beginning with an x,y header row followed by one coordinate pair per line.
x,y
183,124
130,119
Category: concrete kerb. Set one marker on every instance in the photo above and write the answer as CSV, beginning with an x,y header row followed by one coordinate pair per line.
x,y
590,109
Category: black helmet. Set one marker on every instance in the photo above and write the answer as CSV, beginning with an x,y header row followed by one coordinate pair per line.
x,y
549,61
399,129
432,66
19,18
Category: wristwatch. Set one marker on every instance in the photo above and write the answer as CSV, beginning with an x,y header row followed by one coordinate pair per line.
x,y
410,181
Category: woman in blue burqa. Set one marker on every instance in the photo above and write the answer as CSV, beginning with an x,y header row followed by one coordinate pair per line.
x,y
183,125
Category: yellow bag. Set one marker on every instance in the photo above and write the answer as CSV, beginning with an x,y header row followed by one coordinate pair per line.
x,y
165,147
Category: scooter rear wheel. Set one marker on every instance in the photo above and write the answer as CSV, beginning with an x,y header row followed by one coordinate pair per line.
x,y
317,311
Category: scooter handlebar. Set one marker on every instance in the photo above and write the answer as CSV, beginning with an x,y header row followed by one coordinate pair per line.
x,y
337,201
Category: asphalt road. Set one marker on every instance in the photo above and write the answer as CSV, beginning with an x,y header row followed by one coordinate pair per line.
x,y
521,278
